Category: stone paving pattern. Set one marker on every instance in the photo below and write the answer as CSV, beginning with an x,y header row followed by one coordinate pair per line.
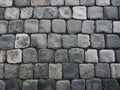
x,y
59,45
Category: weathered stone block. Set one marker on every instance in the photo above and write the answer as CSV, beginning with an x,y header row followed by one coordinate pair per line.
x,y
6,3
22,3
2,85
103,2
2,56
3,27
116,26
1,71
57,2
87,2
39,2
115,70
2,10
71,2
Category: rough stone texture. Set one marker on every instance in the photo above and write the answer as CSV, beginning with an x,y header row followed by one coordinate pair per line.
x,y
118,56
22,41
2,85
6,3
12,13
55,71
39,2
15,26
107,56
14,56
71,2
87,2
2,56
30,85
115,2
94,84
104,26
74,26
41,70
95,12
2,13
57,2
61,56
115,70
70,71
58,26
64,12
3,27
76,55
78,84
38,40
1,71
116,26
102,70
22,3
103,2
29,55
91,56
63,85
79,12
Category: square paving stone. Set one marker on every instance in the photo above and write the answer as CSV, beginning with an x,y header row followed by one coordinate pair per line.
x,y
102,70
48,84
41,70
55,71
10,71
22,3
15,26
78,84
63,85
70,71
107,56
87,2
97,41
39,2
61,56
74,26
2,56
103,26
26,71
31,26
2,10
38,40
115,2
6,3
69,41
71,2
110,12
57,2
115,70
76,55
3,27
102,2
116,26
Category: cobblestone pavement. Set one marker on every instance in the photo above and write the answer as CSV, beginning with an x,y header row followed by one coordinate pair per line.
x,y
59,44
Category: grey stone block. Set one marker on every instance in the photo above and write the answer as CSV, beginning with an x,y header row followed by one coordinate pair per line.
x,y
15,26
29,55
58,26
55,71
7,41
22,41
91,56
95,12
110,12
110,84
115,70
30,85
112,41
22,3
45,12
39,2
102,2
1,71
10,71
57,2
76,55
6,3
46,84
70,71
63,85
54,41
2,10
61,56
97,41
45,26
31,26
78,84
45,55
13,84
116,26
2,85
117,56
26,12
79,12
71,2
3,27
115,2
41,70
64,12
39,40
88,27
94,84
2,56
74,26
87,2
102,70
104,26
86,71
107,56
83,41
69,41
14,56
26,71
12,13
